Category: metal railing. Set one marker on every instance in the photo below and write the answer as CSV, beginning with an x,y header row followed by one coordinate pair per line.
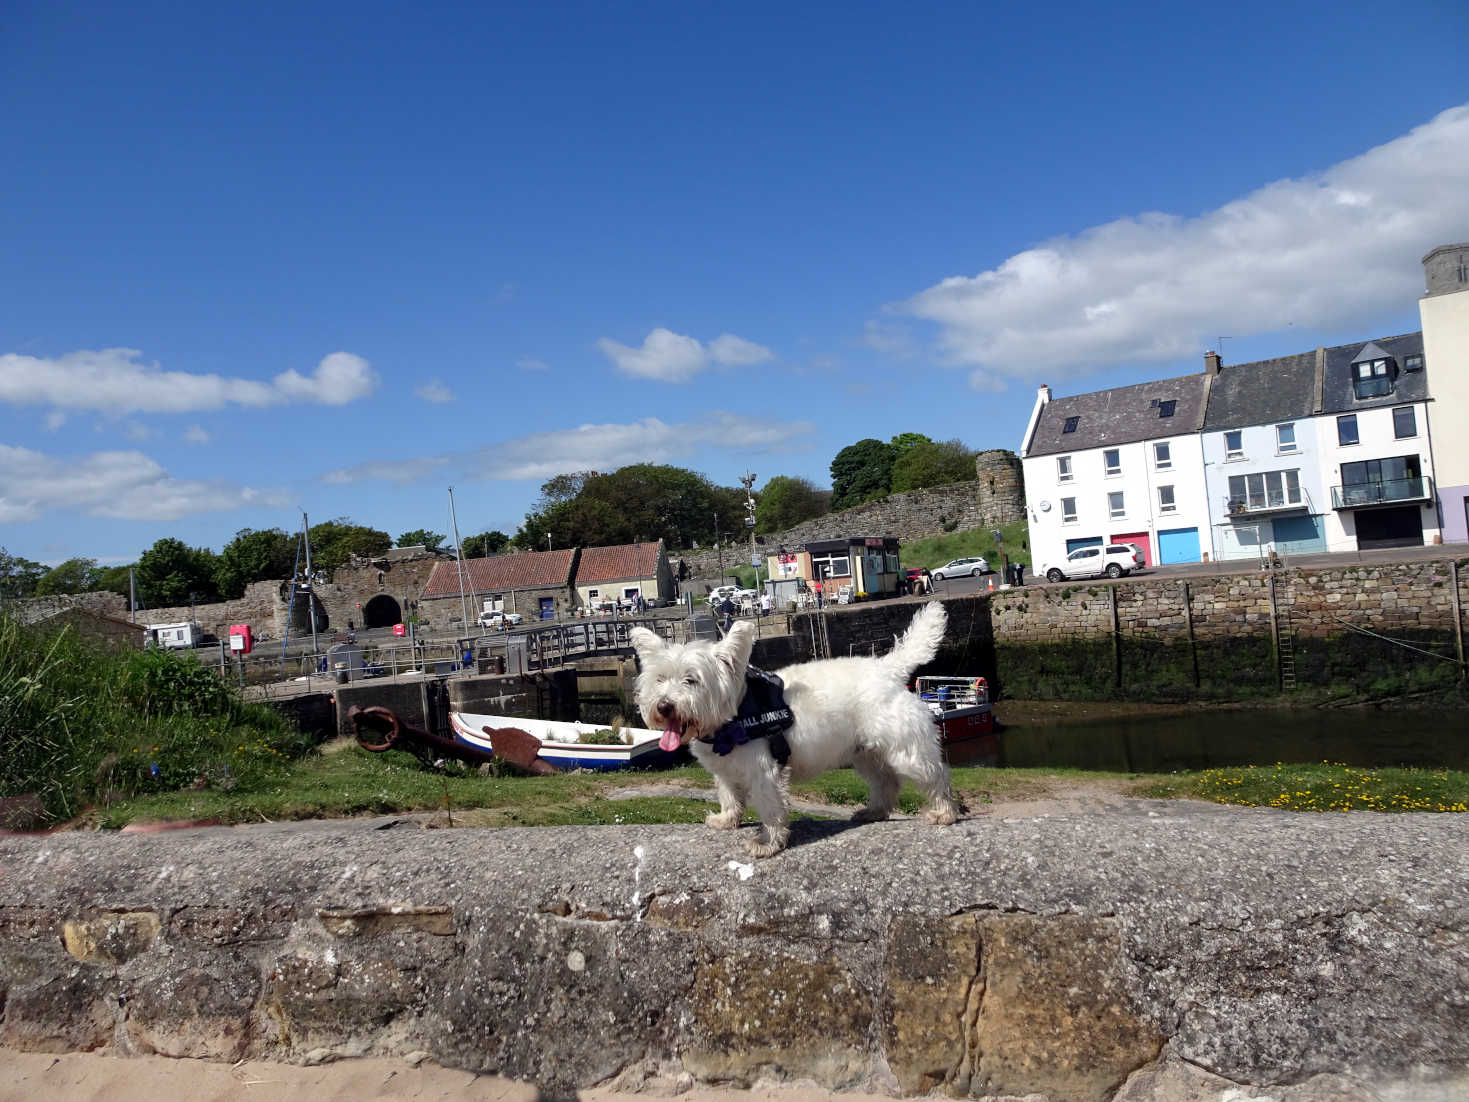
x,y
1267,501
1358,494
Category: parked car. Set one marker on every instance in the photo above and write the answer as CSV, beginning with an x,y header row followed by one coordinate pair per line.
x,y
1113,560
974,566
720,592
499,621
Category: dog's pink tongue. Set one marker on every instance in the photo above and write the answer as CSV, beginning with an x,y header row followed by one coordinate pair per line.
x,y
670,739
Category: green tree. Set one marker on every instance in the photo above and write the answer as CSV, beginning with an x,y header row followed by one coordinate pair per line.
x,y
785,501
905,442
71,576
114,579
423,536
19,576
254,556
485,544
641,502
333,542
173,573
861,472
933,464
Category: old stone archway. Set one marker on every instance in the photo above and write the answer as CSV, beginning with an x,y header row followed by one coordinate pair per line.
x,y
302,608
380,612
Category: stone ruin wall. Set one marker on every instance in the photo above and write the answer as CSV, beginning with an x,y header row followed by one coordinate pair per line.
x,y
995,497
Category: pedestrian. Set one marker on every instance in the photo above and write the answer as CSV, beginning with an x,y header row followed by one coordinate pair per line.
x,y
765,603
927,581
820,599
1020,573
727,607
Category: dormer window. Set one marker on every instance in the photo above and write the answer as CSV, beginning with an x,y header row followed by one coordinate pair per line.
x,y
1373,372
1412,363
1070,425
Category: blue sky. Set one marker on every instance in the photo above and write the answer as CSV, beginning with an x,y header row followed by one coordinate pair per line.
x,y
340,257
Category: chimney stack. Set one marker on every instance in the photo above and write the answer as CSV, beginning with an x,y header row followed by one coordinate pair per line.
x,y
1211,363
1045,393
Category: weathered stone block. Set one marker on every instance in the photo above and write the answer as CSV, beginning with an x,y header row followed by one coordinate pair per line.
x,y
112,938
70,1012
202,1011
932,972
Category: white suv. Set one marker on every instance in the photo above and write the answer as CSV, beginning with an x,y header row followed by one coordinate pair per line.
x,y
1113,560
720,592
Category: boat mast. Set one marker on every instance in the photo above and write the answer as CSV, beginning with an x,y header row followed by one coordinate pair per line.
x,y
310,585
459,554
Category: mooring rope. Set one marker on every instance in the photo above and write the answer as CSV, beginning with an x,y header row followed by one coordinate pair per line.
x,y
1398,642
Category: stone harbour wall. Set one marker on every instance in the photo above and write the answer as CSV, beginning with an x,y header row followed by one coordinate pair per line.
x,y
1158,950
1210,636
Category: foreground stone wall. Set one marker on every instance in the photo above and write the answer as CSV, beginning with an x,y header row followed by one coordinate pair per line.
x,y
1149,951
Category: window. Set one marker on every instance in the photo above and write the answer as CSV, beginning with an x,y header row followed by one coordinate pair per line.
x,y
1372,378
629,592
1063,468
1268,490
1234,445
1346,430
833,565
1068,510
1166,503
1070,425
1404,422
1399,469
1162,457
1412,363
1114,503
1285,438
1165,409
1112,460
593,594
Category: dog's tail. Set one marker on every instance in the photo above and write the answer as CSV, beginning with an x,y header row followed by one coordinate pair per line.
x,y
919,643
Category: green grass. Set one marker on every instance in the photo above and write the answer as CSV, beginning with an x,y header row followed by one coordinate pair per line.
x,y
937,550
84,726
1324,787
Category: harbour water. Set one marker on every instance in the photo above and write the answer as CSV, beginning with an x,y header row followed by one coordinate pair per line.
x,y
1247,736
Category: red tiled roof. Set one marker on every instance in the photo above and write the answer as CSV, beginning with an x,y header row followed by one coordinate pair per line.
x,y
610,564
526,570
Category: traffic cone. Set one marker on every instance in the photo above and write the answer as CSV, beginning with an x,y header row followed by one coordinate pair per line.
x,y
992,582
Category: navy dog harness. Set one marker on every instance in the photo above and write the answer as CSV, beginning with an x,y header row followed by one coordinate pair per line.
x,y
763,713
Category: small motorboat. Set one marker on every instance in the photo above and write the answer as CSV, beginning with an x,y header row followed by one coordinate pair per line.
x,y
564,745
966,722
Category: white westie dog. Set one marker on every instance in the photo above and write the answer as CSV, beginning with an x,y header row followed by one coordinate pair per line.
x,y
842,711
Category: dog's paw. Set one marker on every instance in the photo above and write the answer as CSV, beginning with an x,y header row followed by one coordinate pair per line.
x,y
724,820
758,848
869,815
942,815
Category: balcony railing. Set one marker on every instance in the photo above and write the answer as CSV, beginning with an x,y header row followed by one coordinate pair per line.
x,y
1362,494
1252,505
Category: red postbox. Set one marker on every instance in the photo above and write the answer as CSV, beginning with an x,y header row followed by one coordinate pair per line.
x,y
241,640
400,629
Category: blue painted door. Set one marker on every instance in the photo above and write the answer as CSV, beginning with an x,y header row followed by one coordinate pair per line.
x,y
1299,535
1178,545
1090,541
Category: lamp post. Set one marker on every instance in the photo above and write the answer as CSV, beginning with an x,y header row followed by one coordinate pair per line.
x,y
748,481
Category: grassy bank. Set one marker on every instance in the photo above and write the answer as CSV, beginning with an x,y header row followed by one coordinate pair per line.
x,y
83,726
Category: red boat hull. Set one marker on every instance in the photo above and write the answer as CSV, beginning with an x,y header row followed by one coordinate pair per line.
x,y
969,737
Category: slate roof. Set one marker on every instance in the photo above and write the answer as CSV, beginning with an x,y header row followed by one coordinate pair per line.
x,y
1338,395
525,570
621,563
1122,415
1263,392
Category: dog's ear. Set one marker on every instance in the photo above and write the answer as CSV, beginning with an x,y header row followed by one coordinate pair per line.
x,y
734,649
645,642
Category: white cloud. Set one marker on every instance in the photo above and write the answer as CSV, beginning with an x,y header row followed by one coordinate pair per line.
x,y
434,391
530,363
122,484
594,447
733,351
115,381
1339,247
891,339
136,430
674,358
195,434
54,420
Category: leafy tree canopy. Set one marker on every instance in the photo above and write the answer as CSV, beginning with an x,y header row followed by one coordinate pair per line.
x,y
905,442
19,576
115,579
485,544
861,472
333,542
933,464
785,501
642,502
172,573
254,556
72,576
423,536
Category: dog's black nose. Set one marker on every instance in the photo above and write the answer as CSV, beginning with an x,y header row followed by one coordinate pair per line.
x,y
665,708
